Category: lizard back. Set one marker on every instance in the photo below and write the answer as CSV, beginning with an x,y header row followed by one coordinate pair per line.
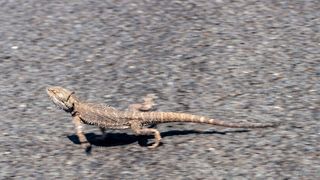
x,y
102,115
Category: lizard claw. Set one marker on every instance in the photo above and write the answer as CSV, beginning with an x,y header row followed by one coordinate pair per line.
x,y
153,146
156,144
86,146
88,150
150,97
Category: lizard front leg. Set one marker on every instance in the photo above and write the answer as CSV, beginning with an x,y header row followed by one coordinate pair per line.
x,y
137,128
79,126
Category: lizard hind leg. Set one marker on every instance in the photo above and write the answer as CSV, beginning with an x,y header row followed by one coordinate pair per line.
x,y
147,105
137,128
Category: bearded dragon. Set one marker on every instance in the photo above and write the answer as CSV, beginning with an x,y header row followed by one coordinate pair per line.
x,y
136,118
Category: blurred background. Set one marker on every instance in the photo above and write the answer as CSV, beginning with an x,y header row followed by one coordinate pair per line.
x,y
232,60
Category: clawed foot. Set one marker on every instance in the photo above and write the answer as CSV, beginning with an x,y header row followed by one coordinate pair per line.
x,y
87,147
147,105
154,145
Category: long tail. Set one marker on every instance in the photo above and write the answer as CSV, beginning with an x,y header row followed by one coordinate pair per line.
x,y
166,117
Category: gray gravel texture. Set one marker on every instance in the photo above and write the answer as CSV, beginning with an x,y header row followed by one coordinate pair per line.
x,y
233,60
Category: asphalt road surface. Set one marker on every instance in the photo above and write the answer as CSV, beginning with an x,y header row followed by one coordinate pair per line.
x,y
232,60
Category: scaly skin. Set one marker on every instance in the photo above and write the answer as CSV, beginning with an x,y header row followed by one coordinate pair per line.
x,y
106,117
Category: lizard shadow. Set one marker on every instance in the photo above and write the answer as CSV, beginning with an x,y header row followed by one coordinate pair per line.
x,y
119,139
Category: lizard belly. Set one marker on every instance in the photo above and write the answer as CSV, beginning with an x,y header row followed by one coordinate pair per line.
x,y
118,127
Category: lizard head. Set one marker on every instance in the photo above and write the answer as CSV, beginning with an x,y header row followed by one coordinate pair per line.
x,y
62,98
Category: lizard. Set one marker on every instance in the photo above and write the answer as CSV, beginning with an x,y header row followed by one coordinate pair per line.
x,y
135,118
